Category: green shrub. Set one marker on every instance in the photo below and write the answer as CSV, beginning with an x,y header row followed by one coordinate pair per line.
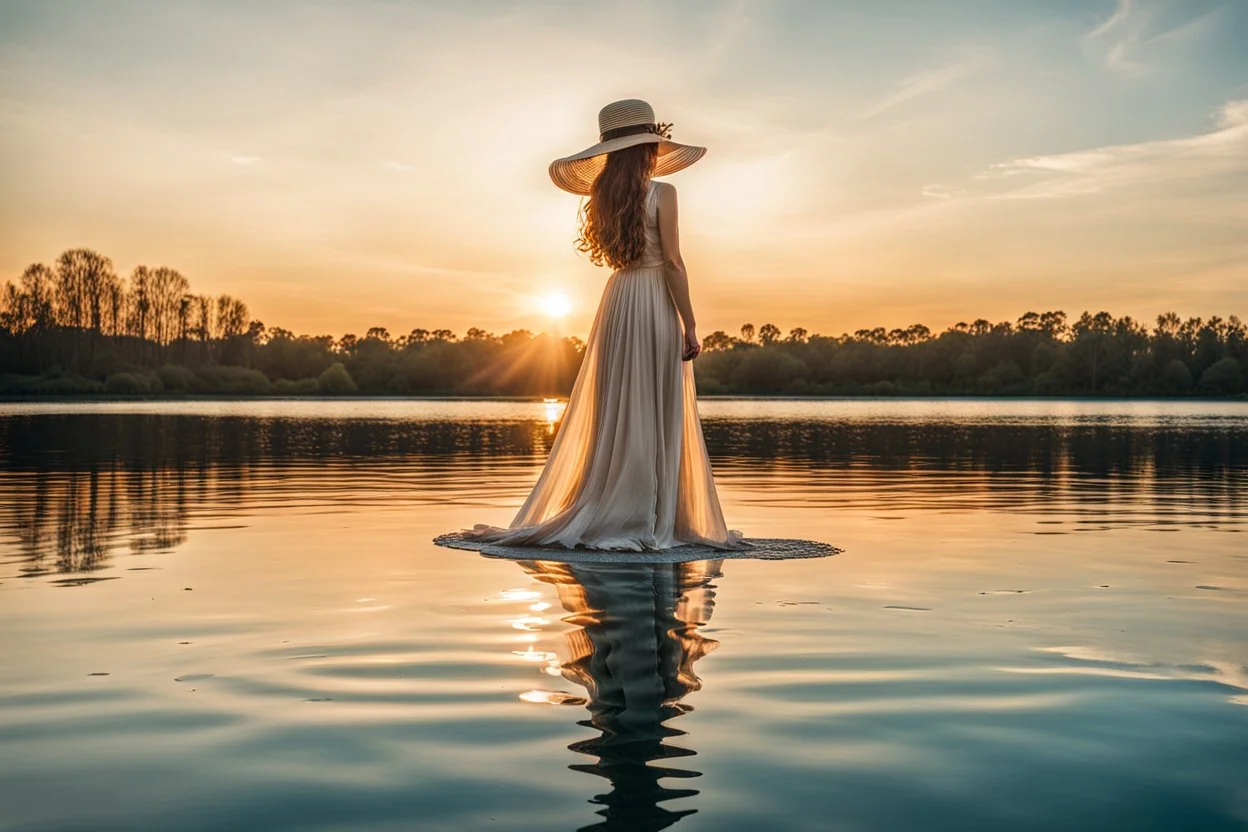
x,y
1222,377
770,370
798,387
130,384
883,388
1049,383
16,385
176,378
921,388
67,386
336,380
239,381
302,387
1176,378
710,386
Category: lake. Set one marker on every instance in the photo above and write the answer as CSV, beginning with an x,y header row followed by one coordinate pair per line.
x,y
230,615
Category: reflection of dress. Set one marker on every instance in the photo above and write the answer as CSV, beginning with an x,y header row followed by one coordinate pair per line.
x,y
634,651
629,468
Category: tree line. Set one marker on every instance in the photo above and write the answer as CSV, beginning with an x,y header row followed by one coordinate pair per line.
x,y
1040,354
77,327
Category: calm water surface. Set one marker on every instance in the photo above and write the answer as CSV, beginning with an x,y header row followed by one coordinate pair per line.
x,y
228,615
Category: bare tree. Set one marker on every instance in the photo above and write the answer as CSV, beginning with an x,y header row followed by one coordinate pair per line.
x,y
231,317
71,296
201,316
84,280
139,303
167,288
115,309
31,303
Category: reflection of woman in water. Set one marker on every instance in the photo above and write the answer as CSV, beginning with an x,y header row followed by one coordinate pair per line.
x,y
633,651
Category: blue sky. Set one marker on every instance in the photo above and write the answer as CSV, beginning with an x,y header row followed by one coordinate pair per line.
x,y
342,165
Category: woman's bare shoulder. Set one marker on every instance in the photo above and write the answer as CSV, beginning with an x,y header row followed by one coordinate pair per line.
x,y
666,192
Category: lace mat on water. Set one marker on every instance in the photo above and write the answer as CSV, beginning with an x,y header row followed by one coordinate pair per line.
x,y
762,548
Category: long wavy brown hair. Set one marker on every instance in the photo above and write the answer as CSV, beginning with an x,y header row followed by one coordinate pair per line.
x,y
613,220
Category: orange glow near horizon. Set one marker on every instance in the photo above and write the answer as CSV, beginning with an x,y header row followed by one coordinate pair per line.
x,y
386,166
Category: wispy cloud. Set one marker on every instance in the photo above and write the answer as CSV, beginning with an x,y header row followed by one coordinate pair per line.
x,y
1135,27
1210,158
941,192
404,268
246,161
733,25
928,81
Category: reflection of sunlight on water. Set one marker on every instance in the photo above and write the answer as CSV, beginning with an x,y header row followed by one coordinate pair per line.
x,y
551,665
552,697
531,655
1087,660
552,411
519,595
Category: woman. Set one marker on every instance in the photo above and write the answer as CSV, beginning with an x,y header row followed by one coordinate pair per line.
x,y
628,469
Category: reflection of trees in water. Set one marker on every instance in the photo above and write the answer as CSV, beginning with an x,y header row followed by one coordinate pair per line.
x,y
1098,449
70,442
633,649
79,519
74,442
1157,464
78,486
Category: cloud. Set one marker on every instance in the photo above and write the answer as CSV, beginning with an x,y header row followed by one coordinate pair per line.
x,y
927,81
1135,28
1211,159
247,161
1122,12
733,25
1117,38
941,192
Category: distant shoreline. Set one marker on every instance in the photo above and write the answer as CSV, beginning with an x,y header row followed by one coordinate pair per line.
x,y
169,397
78,329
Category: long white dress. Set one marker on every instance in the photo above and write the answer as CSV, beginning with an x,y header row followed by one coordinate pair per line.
x,y
628,469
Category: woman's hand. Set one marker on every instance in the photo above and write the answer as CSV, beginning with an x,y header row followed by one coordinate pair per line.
x,y
692,346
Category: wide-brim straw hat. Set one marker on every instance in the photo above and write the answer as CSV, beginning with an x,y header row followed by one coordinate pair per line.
x,y
623,124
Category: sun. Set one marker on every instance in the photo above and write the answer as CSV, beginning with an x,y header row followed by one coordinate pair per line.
x,y
555,304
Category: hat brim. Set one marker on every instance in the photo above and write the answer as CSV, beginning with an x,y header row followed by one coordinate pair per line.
x,y
575,174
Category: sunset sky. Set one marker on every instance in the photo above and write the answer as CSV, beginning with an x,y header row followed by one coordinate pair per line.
x,y
340,165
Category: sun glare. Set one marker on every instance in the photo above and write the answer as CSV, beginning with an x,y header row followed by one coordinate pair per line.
x,y
555,305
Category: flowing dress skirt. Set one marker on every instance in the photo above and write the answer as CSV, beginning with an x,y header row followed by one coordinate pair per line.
x,y
628,469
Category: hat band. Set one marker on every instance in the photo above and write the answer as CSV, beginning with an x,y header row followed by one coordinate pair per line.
x,y
631,130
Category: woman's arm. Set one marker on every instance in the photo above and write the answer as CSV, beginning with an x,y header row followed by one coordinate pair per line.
x,y
674,267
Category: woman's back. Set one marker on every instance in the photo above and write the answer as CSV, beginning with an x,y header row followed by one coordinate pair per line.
x,y
652,254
